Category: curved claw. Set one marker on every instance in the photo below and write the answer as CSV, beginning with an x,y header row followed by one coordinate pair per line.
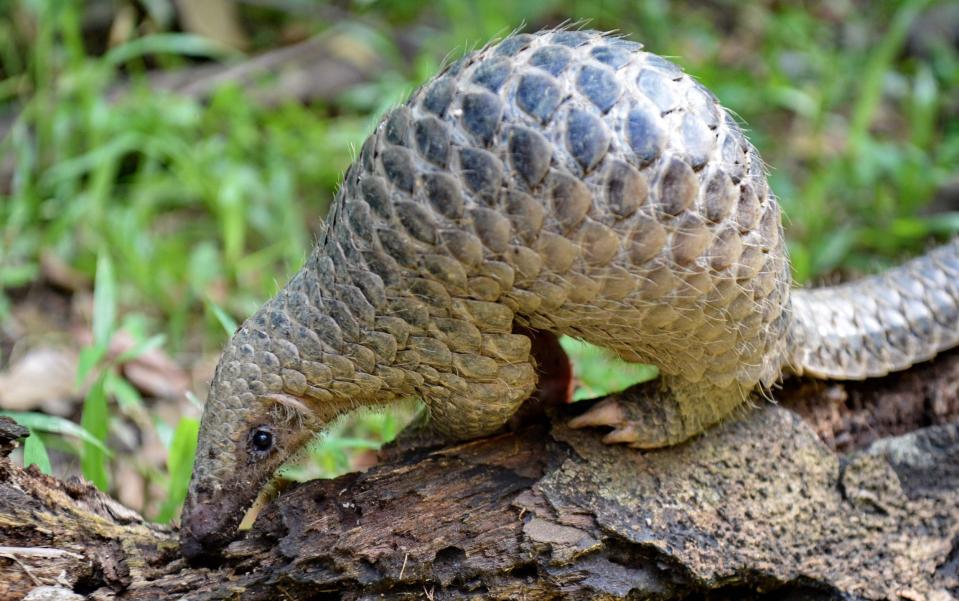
x,y
627,434
637,427
604,413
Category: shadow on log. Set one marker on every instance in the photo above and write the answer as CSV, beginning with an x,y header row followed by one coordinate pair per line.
x,y
759,508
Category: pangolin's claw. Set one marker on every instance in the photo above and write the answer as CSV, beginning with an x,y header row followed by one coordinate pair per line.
x,y
629,428
607,412
626,434
644,416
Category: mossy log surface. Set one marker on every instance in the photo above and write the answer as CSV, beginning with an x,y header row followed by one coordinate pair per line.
x,y
761,507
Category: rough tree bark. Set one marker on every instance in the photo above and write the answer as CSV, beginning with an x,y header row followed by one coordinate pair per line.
x,y
761,507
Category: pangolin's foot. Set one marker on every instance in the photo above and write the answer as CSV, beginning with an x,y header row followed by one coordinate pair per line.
x,y
642,416
661,413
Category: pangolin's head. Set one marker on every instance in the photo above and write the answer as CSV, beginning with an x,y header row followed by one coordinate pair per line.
x,y
256,417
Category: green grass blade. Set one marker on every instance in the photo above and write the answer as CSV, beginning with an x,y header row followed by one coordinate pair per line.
x,y
349,443
128,398
71,169
183,44
89,358
228,323
35,453
104,301
180,467
879,64
96,421
830,254
12,276
53,424
924,107
141,347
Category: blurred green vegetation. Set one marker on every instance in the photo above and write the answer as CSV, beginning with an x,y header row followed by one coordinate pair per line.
x,y
192,211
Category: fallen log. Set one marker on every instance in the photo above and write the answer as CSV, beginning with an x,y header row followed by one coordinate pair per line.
x,y
760,507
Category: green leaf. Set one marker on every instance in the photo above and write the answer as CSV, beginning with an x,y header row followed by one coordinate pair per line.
x,y
96,421
179,467
35,453
598,372
55,425
104,301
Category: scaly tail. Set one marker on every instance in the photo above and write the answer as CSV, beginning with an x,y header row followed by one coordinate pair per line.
x,y
880,324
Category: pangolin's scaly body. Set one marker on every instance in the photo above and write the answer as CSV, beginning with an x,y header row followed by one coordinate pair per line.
x,y
565,181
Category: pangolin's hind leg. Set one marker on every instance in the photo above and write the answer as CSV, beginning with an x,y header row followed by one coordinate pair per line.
x,y
661,413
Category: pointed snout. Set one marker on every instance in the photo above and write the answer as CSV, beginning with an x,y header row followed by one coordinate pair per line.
x,y
209,524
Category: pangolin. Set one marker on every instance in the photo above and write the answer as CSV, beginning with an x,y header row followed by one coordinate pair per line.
x,y
565,182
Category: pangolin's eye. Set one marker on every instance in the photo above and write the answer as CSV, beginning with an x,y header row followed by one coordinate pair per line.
x,y
261,440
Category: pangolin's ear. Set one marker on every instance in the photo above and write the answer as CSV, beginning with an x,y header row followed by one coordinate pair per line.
x,y
287,409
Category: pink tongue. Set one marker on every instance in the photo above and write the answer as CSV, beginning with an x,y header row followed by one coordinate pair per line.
x,y
552,364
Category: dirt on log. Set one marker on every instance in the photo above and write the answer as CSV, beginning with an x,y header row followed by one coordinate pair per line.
x,y
759,508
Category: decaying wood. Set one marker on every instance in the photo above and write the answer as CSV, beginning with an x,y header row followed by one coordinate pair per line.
x,y
759,508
